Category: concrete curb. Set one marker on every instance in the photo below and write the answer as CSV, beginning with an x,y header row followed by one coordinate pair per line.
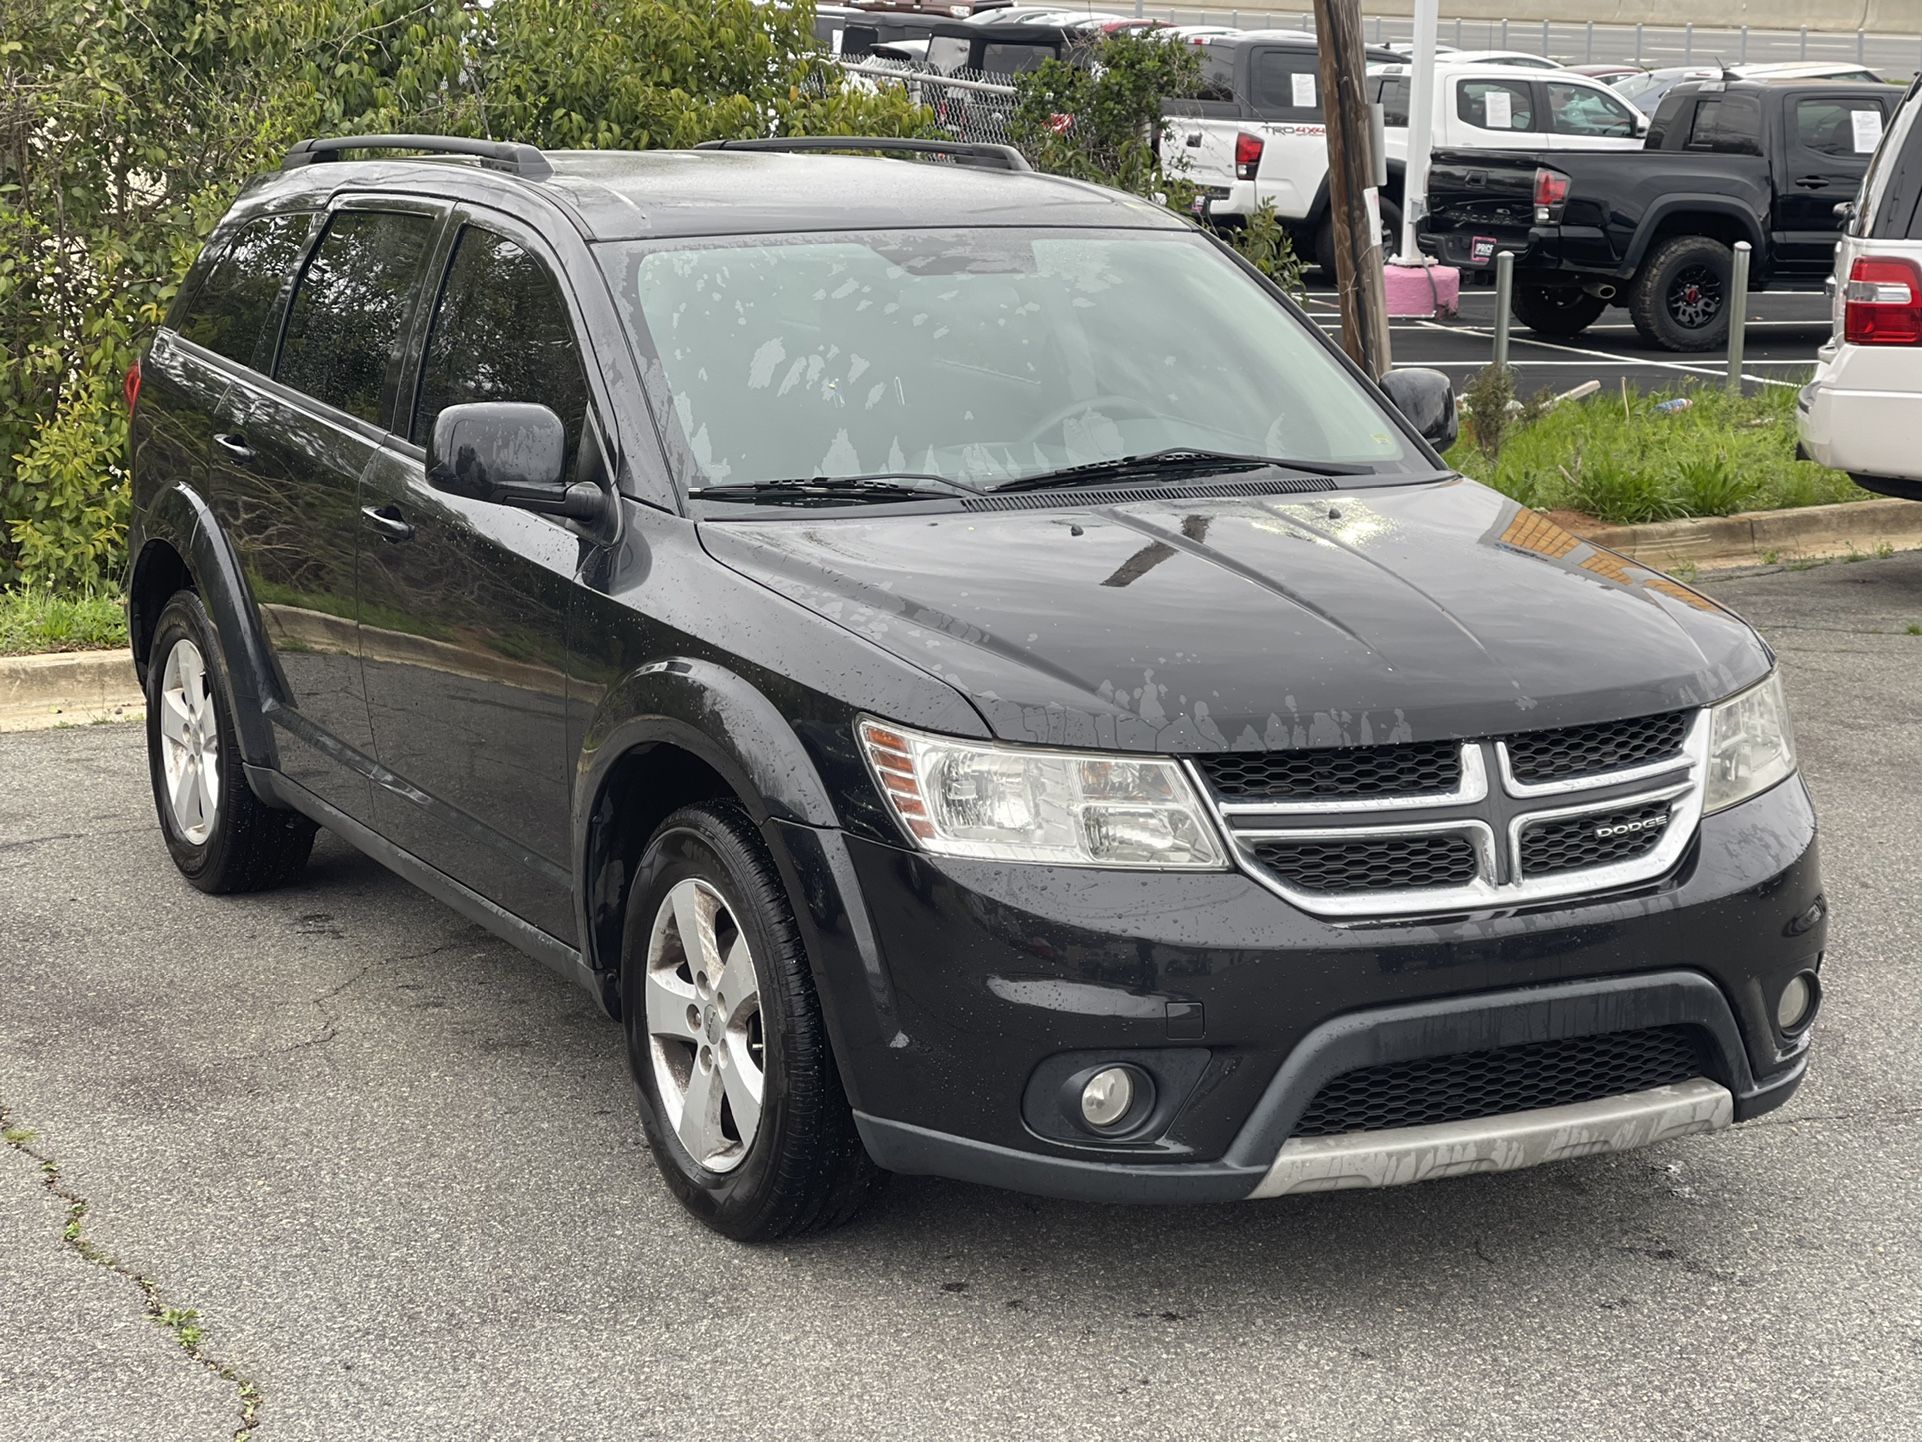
x,y
68,688
1761,538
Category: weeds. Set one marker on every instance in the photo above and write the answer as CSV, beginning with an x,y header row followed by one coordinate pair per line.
x,y
1620,460
32,621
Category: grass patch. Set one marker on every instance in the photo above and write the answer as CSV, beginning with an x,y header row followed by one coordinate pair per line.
x,y
35,621
1622,460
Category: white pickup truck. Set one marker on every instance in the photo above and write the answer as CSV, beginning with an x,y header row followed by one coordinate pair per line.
x,y
1257,132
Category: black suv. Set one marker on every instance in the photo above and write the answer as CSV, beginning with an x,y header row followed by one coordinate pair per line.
x,y
960,665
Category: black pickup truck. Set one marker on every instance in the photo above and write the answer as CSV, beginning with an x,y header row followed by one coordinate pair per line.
x,y
1653,229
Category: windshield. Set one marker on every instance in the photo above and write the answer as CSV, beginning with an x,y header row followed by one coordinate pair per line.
x,y
979,357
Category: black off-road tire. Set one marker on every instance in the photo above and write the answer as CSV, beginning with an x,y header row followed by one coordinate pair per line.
x,y
249,846
805,1169
1659,297
1325,237
1557,310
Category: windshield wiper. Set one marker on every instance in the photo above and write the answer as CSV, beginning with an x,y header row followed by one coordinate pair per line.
x,y
807,490
1156,465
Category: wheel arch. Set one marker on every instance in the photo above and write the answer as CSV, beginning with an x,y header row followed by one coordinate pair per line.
x,y
669,734
1712,217
183,548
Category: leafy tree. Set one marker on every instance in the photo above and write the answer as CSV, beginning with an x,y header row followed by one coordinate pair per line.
x,y
1097,116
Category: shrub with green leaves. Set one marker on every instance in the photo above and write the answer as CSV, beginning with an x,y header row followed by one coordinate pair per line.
x,y
127,127
1097,116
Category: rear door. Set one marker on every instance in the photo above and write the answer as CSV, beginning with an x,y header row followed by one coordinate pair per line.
x,y
289,452
1826,143
1505,113
464,603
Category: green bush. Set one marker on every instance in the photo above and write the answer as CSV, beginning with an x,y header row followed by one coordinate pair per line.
x,y
127,127
1095,117
1618,457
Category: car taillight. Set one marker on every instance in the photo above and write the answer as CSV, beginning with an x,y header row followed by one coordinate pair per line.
x,y
1247,155
1551,193
130,387
1882,302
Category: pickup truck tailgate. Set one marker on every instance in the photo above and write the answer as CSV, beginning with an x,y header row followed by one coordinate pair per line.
x,y
1478,203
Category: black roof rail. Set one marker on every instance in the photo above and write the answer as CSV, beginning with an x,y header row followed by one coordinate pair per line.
x,y
511,156
965,152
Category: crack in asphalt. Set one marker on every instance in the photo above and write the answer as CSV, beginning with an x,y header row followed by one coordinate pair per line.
x,y
181,1323
330,1019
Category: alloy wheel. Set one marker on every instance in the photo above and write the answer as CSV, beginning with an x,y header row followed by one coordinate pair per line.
x,y
189,742
705,1033
1695,296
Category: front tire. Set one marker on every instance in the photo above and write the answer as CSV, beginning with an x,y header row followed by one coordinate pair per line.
x,y
1325,237
739,1097
1557,310
1680,298
221,836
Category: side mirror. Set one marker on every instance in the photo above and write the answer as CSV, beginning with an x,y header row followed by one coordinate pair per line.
x,y
1428,401
1640,127
510,453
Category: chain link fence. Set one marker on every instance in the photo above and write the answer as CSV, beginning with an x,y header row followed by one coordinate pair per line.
x,y
969,105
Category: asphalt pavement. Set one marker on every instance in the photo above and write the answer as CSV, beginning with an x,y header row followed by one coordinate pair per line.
x,y
1784,330
394,1170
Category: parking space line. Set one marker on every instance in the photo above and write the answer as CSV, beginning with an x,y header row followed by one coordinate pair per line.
x,y
1679,366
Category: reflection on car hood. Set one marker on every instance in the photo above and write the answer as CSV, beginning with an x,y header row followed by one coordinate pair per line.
x,y
1394,614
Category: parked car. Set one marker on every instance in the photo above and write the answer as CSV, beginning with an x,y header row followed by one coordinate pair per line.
x,y
1648,88
1862,411
1514,59
1483,107
962,667
1609,74
1745,160
1257,134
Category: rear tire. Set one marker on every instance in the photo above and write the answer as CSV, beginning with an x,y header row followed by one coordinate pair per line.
x,y
1680,299
1325,237
1557,310
739,1095
221,836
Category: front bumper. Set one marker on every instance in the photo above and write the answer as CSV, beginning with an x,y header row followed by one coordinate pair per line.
x,y
954,990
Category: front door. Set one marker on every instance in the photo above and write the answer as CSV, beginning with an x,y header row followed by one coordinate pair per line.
x,y
288,453
464,603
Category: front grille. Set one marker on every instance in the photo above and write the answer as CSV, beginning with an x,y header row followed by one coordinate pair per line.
x,y
1537,756
1355,771
1521,1078
1371,863
1595,839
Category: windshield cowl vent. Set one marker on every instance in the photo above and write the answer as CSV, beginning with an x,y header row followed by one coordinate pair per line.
x,y
1121,495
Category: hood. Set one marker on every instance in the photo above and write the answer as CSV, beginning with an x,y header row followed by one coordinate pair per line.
x,y
1411,613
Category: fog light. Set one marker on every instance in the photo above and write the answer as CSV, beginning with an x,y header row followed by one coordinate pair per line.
x,y
1797,1003
1108,1097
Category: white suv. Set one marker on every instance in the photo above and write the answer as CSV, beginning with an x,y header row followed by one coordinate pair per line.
x,y
1862,413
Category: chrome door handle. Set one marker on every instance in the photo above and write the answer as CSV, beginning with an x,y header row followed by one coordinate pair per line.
x,y
388,521
235,445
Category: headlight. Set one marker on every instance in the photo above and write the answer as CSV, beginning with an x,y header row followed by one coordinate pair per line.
x,y
1750,745
1010,803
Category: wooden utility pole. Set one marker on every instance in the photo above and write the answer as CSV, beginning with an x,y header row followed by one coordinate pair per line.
x,y
1353,202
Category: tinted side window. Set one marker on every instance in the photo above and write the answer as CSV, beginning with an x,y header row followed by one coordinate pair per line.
x,y
1285,83
501,333
1582,110
1217,73
229,313
1844,128
344,328
1496,104
1014,58
1892,190
1393,96
1727,125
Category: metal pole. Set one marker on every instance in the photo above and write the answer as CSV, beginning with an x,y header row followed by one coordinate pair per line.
x,y
1504,293
1504,44
1588,42
1738,317
1861,48
1742,54
1458,32
1421,129
1805,42
1688,42
1544,37
1638,41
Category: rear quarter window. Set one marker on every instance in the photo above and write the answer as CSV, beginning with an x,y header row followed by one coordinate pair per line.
x,y
1726,125
230,311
